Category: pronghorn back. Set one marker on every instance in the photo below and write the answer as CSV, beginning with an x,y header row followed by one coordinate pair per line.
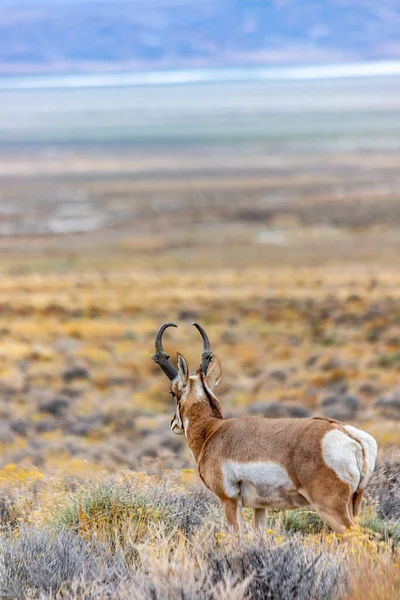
x,y
288,458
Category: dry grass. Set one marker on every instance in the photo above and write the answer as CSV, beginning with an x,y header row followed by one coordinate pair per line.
x,y
134,535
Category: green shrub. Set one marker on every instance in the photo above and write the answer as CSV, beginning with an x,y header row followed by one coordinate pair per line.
x,y
113,510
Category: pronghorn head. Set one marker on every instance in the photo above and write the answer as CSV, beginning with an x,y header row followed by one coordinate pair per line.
x,y
189,390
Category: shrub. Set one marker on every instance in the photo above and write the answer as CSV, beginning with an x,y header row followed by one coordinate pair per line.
x,y
33,561
117,510
9,513
384,488
303,520
278,571
384,530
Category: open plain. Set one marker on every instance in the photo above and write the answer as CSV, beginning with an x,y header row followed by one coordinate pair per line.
x,y
284,246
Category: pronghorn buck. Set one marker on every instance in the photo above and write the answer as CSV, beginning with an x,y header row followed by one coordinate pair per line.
x,y
260,463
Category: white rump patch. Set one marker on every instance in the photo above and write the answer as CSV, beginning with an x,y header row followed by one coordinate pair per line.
x,y
370,451
344,455
258,483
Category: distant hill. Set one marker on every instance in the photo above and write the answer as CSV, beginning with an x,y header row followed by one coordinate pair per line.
x,y
103,35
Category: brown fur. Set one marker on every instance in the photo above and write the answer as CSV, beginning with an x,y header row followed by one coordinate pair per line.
x,y
295,444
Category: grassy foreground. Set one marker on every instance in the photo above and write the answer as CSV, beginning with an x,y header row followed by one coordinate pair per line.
x,y
148,536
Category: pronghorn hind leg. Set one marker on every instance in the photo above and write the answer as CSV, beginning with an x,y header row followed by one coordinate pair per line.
x,y
331,500
259,519
356,501
233,512
351,508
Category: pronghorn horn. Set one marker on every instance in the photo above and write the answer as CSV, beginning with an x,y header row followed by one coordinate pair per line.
x,y
160,357
206,355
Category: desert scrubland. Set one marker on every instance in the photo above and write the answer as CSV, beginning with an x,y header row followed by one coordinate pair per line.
x,y
290,262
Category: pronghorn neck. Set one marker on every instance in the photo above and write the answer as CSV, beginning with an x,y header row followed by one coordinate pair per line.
x,y
199,424
201,416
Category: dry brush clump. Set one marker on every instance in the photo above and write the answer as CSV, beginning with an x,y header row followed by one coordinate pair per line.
x,y
119,508
35,561
288,570
58,563
384,488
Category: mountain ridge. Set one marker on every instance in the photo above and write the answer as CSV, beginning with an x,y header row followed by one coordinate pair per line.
x,y
59,36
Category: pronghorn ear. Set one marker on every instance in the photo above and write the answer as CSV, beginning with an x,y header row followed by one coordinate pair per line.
x,y
214,373
183,369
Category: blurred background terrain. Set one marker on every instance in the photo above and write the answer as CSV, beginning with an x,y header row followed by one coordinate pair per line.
x,y
175,161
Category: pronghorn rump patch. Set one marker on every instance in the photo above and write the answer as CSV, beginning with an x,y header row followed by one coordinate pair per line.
x,y
370,451
344,455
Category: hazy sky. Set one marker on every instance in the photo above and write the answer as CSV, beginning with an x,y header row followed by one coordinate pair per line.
x,y
15,3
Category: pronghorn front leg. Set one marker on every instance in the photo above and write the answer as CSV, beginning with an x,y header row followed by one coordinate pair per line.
x,y
233,512
259,519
